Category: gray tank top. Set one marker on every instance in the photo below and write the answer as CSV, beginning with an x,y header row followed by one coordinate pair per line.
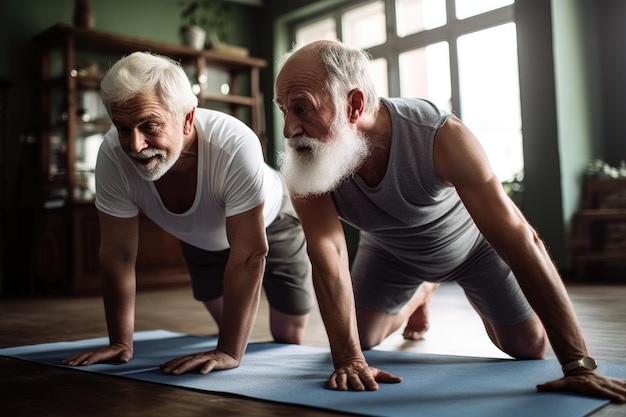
x,y
411,213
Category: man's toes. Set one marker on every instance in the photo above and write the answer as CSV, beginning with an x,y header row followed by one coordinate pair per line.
x,y
413,334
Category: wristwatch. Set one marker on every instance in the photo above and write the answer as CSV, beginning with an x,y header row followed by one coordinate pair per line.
x,y
582,363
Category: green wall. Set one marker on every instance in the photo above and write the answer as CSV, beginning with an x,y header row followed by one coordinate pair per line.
x,y
542,203
575,107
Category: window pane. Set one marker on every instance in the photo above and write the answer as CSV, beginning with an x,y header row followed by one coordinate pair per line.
x,y
489,93
425,73
322,29
378,72
414,16
467,8
365,26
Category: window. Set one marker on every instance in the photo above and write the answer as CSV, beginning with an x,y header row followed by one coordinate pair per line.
x,y
425,72
468,8
414,16
489,92
459,54
322,29
365,26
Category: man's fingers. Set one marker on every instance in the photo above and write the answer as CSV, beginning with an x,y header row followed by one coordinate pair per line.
x,y
386,377
125,357
208,367
363,379
204,362
557,385
357,384
338,381
598,386
170,367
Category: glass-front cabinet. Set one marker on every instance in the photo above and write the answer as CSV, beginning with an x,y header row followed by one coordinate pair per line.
x,y
73,122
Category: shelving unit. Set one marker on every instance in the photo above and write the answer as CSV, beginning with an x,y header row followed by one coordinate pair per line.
x,y
73,120
4,181
598,233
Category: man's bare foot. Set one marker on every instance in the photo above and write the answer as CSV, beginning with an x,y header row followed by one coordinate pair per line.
x,y
418,325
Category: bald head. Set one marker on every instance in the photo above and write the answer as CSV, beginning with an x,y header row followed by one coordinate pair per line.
x,y
332,66
311,50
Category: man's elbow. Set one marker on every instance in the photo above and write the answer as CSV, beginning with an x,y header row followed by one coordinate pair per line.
x,y
258,255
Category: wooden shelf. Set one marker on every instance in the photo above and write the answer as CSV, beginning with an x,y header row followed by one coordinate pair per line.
x,y
598,230
109,43
601,214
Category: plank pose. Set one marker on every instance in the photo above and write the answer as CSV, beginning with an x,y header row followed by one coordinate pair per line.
x,y
417,184
200,175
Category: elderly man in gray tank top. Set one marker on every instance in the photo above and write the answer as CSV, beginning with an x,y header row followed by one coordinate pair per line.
x,y
417,184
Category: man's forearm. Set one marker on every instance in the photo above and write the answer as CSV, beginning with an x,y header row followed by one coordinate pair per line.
x,y
336,302
544,289
242,292
119,304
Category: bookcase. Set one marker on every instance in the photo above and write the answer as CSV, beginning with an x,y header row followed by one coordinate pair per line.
x,y
72,122
598,232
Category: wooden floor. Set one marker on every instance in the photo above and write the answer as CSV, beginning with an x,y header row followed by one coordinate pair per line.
x,y
28,389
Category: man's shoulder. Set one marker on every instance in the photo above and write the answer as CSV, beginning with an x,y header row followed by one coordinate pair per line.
x,y
413,103
110,143
217,126
209,117
416,110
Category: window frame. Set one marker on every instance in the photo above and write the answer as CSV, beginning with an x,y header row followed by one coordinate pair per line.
x,y
395,45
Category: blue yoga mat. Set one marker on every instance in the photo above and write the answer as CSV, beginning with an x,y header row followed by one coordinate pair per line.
x,y
433,385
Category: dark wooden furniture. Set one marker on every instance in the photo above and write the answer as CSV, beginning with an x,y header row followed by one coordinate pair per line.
x,y
73,120
598,232
4,177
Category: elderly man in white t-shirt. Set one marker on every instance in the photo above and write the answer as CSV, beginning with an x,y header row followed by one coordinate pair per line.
x,y
200,175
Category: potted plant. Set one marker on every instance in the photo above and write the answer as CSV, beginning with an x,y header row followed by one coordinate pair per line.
x,y
202,19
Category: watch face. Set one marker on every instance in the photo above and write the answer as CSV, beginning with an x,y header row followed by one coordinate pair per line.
x,y
589,363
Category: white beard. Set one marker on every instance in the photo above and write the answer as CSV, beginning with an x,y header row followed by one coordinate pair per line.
x,y
159,166
312,167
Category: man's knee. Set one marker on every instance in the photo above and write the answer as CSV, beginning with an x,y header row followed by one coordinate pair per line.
x,y
529,348
527,340
374,327
369,340
287,328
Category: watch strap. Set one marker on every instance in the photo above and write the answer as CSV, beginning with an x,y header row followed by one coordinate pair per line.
x,y
584,363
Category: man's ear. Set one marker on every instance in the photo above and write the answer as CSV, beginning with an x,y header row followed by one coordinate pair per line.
x,y
356,103
188,122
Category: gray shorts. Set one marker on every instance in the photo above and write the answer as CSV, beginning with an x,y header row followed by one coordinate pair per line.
x,y
287,278
382,283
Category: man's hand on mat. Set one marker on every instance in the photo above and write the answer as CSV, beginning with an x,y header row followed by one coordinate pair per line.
x,y
360,377
116,352
590,383
215,360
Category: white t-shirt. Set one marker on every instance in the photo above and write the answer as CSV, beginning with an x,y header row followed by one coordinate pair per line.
x,y
232,179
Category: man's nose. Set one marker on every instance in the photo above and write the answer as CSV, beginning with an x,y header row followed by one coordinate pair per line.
x,y
291,126
137,141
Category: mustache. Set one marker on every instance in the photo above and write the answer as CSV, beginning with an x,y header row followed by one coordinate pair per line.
x,y
302,142
146,154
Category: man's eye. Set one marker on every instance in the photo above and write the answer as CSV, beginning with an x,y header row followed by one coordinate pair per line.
x,y
151,128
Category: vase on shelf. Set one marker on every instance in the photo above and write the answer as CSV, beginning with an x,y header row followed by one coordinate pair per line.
x,y
194,37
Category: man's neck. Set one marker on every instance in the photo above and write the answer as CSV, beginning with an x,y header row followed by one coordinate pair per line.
x,y
378,130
